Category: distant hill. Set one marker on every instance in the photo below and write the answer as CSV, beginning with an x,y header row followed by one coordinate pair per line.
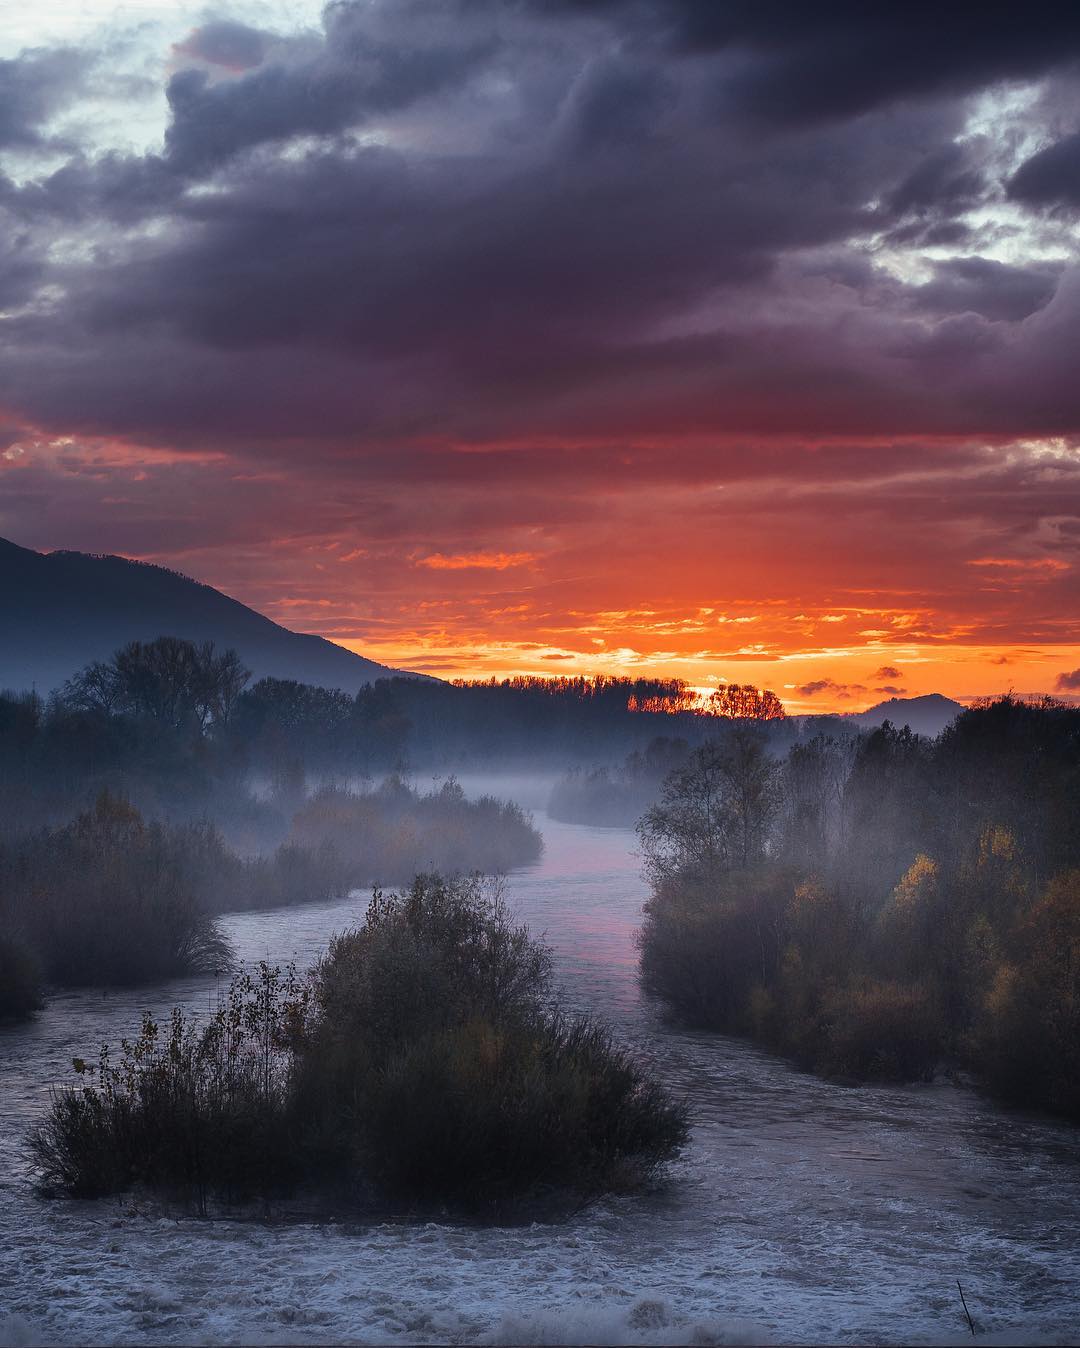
x,y
928,715
60,610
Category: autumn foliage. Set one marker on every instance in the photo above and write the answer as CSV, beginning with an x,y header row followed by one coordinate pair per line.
x,y
885,908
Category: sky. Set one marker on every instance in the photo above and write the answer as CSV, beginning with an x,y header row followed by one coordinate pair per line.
x,y
738,342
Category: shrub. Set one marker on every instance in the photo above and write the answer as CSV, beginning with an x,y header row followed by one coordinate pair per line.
x,y
380,835
885,1031
420,1062
20,980
1027,1038
755,953
431,1018
706,946
442,952
227,883
919,927
112,899
191,1110
104,901
477,1115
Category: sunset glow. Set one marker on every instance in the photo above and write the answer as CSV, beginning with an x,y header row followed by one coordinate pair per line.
x,y
608,345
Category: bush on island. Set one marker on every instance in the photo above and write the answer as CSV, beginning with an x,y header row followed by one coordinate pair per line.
x,y
420,1061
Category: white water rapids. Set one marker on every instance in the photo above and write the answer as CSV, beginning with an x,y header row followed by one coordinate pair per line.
x,y
802,1211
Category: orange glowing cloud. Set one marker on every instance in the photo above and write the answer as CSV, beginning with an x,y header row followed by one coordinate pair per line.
x,y
835,575
476,561
780,392
1031,565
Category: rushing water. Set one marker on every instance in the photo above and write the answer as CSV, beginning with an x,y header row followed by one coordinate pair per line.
x,y
802,1211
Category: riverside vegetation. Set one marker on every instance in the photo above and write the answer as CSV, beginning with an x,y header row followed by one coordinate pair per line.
x,y
157,789
419,1062
884,906
128,817
617,797
112,899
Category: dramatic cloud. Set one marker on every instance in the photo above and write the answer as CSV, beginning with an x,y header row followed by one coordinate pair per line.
x,y
34,86
508,316
981,286
476,561
842,690
233,46
838,59
361,68
1051,177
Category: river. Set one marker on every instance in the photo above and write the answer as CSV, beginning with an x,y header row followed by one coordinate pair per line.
x,y
801,1212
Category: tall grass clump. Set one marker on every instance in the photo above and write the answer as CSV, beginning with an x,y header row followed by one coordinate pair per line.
x,y
420,1064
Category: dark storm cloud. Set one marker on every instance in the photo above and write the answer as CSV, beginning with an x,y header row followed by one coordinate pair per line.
x,y
717,299
945,176
530,274
33,86
840,58
992,289
1051,177
363,250
115,188
235,46
552,235
21,268
620,102
353,74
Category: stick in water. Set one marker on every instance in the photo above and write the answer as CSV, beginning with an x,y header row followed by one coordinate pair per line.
x,y
971,1323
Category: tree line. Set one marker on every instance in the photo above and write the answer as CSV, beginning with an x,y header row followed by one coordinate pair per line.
x,y
111,898
181,729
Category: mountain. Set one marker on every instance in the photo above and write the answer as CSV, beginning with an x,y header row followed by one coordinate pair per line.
x,y
928,715
60,610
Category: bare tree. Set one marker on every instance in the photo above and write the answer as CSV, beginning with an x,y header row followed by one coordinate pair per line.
x,y
169,679
95,688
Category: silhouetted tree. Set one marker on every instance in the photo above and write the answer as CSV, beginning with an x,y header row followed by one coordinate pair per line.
x,y
742,701
168,680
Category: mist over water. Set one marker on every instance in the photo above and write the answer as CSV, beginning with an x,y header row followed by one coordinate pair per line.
x,y
803,1211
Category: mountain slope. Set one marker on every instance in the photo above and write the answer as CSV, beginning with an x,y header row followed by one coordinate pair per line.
x,y
927,715
60,610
